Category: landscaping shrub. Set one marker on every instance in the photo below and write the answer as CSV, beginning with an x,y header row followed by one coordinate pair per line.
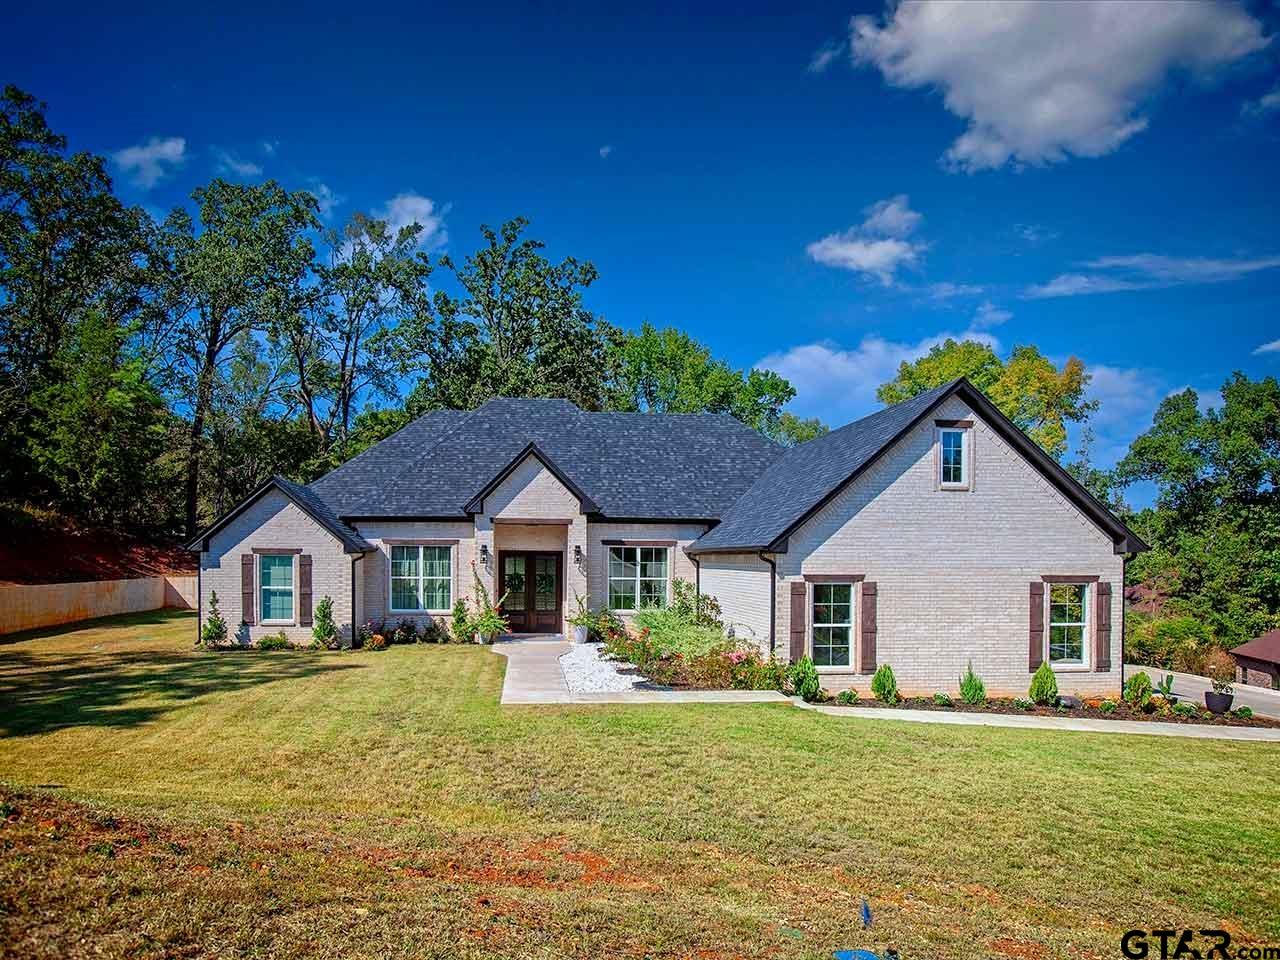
x,y
367,630
376,641
460,621
487,621
1175,643
942,699
1022,703
214,632
752,672
673,631
1184,709
406,631
803,677
274,641
703,611
847,698
884,685
324,632
1107,706
972,690
1137,691
433,632
1244,713
1044,686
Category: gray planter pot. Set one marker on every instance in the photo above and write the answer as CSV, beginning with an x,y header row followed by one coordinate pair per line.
x,y
580,634
1218,702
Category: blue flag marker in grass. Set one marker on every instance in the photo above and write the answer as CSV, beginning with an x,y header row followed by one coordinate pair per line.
x,y
866,914
855,955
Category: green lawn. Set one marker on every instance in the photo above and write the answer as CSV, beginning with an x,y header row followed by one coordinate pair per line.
x,y
172,802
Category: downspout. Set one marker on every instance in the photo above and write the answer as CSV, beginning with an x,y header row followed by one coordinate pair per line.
x,y
697,576
199,595
1124,563
355,558
773,602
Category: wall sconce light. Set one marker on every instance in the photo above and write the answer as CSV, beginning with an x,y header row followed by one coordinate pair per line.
x,y
577,554
484,553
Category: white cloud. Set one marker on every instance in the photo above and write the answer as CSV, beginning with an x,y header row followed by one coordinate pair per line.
x,y
146,164
1034,234
228,162
826,55
1039,80
1267,103
946,290
1148,271
605,151
839,385
1272,347
326,198
989,315
1127,400
878,246
269,147
406,208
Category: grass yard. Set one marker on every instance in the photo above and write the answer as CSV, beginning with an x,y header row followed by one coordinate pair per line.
x,y
165,802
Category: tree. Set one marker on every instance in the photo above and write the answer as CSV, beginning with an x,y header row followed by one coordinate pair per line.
x,y
1215,526
70,253
241,271
343,345
518,327
793,431
1027,388
667,371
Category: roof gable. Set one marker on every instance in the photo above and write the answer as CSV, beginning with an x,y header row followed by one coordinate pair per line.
x,y
476,503
807,477
301,497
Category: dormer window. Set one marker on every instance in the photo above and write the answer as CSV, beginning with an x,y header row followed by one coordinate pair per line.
x,y
954,454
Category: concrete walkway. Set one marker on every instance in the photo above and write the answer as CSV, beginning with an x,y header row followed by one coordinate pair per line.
x,y
1263,702
534,676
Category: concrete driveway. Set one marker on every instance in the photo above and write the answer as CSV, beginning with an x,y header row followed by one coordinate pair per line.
x,y
1263,702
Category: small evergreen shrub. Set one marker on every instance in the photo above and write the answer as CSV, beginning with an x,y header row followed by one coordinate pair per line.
x,y
324,632
274,641
1244,713
1184,709
1044,686
214,632
804,679
406,632
1137,691
942,699
460,621
1022,703
1107,706
847,698
884,685
972,690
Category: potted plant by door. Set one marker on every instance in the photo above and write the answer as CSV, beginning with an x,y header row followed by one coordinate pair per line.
x,y
1221,671
581,621
488,621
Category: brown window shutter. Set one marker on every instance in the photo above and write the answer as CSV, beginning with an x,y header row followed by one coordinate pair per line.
x,y
1036,649
246,587
1102,637
799,618
304,590
867,658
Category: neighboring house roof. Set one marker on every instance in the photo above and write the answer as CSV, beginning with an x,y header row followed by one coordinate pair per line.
x,y
305,500
625,466
807,477
1265,647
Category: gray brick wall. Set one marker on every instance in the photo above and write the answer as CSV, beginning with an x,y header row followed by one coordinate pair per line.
x,y
741,583
273,522
953,567
375,569
597,554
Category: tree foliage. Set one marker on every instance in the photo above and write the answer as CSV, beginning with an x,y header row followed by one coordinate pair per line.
x,y
1028,388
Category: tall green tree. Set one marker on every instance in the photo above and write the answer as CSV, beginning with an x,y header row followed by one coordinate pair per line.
x,y
70,254
241,269
1028,388
1215,525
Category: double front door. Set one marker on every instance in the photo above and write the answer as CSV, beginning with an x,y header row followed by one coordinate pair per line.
x,y
531,582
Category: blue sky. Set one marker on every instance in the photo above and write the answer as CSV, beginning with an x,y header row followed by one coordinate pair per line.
x,y
829,190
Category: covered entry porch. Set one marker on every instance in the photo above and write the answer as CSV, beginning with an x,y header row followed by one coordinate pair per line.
x,y
530,562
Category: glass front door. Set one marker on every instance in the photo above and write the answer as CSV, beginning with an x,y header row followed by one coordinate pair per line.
x,y
531,583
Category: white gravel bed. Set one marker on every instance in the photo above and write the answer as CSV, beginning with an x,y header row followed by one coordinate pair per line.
x,y
587,670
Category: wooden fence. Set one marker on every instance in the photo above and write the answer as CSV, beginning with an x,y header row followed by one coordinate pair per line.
x,y
30,606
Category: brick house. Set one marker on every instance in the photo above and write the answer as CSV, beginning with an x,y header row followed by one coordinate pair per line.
x,y
1258,661
927,535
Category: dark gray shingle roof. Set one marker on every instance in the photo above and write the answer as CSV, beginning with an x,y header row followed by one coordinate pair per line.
x,y
796,482
632,465
306,500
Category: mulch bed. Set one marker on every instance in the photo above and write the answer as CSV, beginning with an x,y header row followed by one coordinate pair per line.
x,y
1090,710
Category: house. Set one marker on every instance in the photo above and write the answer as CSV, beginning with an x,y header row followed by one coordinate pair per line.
x,y
1258,661
927,535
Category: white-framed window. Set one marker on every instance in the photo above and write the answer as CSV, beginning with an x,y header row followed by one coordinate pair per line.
x,y
1068,624
638,577
421,578
275,586
831,639
953,458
